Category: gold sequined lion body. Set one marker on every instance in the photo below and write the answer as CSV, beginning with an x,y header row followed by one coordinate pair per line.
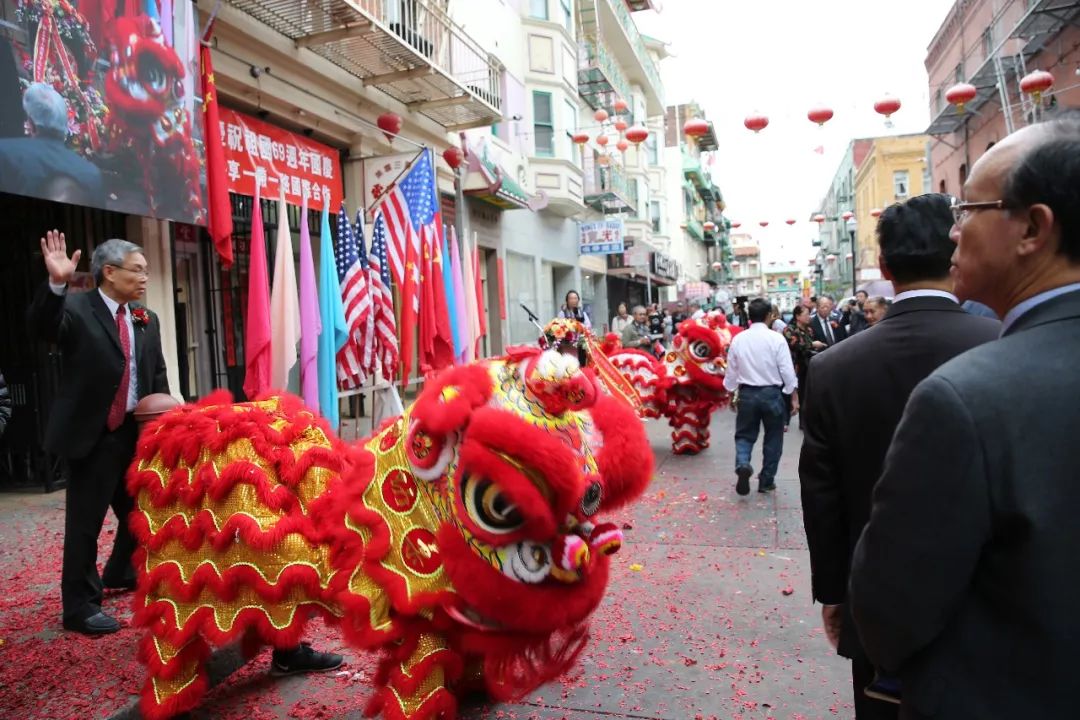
x,y
461,541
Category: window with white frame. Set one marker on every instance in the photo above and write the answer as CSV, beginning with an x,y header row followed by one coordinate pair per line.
x,y
538,9
900,184
567,15
654,216
652,149
543,125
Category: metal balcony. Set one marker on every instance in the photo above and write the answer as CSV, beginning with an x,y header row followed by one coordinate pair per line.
x,y
600,81
409,49
607,188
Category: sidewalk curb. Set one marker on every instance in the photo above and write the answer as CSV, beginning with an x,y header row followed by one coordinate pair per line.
x,y
223,663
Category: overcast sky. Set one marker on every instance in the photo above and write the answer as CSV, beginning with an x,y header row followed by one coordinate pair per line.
x,y
780,59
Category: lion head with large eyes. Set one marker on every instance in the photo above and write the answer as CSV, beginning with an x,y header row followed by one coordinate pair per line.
x,y
522,457
699,353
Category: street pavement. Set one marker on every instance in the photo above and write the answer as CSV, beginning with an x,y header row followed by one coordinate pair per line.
x,y
708,615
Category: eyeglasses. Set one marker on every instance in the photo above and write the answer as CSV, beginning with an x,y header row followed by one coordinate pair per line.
x,y
143,273
961,210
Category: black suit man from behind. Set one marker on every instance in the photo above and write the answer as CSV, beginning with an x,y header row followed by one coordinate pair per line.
x,y
822,327
964,582
855,395
90,424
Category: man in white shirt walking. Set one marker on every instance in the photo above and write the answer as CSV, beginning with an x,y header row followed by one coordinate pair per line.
x,y
760,368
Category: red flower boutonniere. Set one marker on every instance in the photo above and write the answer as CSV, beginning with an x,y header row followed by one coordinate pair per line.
x,y
140,316
834,324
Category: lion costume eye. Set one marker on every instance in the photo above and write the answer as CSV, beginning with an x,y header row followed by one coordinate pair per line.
x,y
701,350
590,503
489,507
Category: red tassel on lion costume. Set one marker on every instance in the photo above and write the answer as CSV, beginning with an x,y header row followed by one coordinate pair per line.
x,y
461,540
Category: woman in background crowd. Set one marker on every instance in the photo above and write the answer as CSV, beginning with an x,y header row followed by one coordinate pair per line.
x,y
621,320
572,310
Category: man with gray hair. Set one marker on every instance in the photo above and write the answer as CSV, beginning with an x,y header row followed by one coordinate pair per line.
x,y
112,355
42,165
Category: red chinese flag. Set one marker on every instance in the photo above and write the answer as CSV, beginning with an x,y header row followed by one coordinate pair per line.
x,y
220,223
444,336
479,290
428,325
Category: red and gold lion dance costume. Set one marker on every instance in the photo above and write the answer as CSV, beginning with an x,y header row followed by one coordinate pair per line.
x,y
461,540
687,385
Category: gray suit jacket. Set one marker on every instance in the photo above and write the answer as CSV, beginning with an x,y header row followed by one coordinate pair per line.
x,y
965,582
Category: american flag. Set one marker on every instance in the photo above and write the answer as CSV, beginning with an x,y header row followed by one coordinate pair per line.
x,y
408,208
352,269
382,301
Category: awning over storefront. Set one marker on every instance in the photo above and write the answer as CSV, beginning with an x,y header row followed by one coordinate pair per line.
x,y
486,181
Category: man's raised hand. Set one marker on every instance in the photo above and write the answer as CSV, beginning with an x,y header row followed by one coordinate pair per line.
x,y
57,262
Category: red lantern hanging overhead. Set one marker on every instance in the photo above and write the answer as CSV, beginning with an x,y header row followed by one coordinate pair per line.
x,y
1036,83
734,263
819,218
709,226
453,156
830,258
790,222
887,106
637,134
736,225
717,265
959,94
695,128
876,212
764,223
620,125
622,145
600,115
620,106
580,138
820,115
757,123
390,124
847,215
601,140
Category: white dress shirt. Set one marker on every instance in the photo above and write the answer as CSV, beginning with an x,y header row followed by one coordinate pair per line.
x,y
1034,301
760,357
908,294
133,384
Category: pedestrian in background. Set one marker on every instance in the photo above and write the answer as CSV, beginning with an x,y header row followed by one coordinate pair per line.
x,y
964,581
5,405
855,395
621,320
572,310
760,369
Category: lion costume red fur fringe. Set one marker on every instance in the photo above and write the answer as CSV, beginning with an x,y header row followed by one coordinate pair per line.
x,y
687,385
461,541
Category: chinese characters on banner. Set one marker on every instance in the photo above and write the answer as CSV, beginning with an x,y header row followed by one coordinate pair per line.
x,y
601,238
258,151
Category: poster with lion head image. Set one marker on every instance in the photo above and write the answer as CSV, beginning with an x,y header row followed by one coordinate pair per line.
x,y
98,105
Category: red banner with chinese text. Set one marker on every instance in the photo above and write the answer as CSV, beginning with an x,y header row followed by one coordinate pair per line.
x,y
254,149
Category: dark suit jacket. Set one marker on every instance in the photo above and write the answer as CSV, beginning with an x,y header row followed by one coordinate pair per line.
x,y
85,330
819,331
965,580
855,395
29,166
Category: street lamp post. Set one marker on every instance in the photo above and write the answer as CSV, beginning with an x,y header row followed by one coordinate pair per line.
x,y
852,226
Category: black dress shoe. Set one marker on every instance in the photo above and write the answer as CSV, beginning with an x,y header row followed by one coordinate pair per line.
x,y
98,624
302,659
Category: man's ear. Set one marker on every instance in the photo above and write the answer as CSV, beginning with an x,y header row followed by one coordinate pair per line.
x,y
1040,230
884,268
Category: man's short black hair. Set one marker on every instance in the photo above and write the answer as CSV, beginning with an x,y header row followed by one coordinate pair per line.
x,y
1049,174
914,238
759,310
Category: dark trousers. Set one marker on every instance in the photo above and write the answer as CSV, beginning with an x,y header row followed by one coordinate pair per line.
x,y
96,483
868,708
760,406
